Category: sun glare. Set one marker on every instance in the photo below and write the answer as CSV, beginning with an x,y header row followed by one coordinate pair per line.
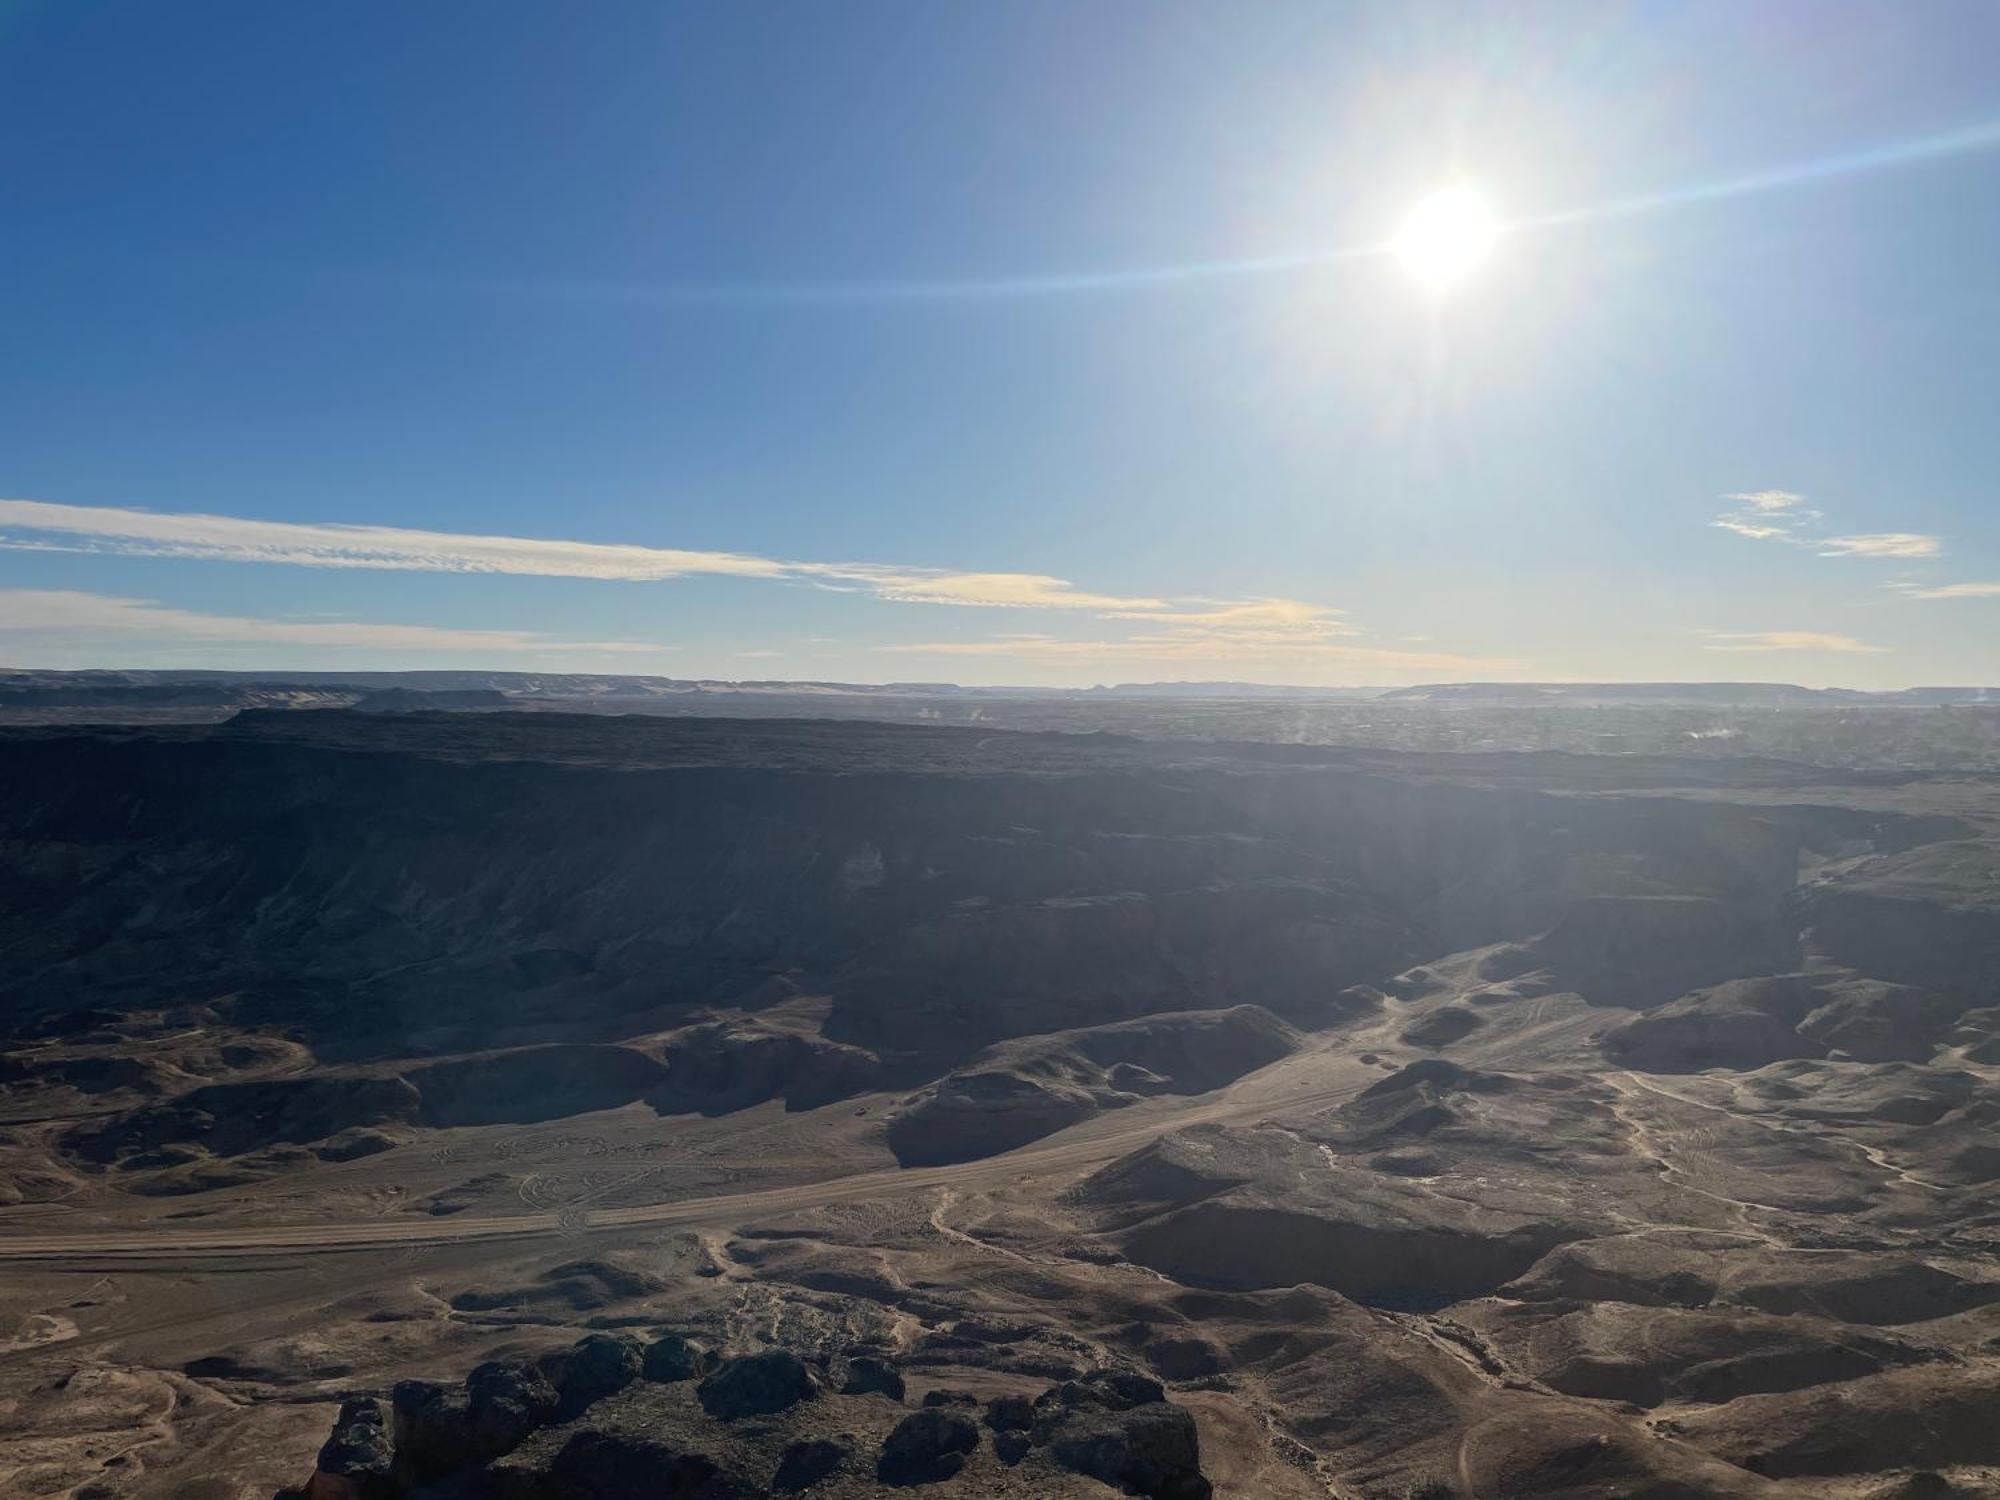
x,y
1446,236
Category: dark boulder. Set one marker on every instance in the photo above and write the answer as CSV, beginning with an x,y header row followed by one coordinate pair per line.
x,y
591,1369
1442,1027
1186,1358
439,1431
1100,1390
1012,1446
749,1385
433,1430
1010,1414
805,1464
947,1397
1117,1425
867,1375
601,1465
673,1357
926,1446
356,1461
1148,1450
506,1402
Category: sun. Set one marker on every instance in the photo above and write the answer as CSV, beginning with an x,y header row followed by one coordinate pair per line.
x,y
1446,236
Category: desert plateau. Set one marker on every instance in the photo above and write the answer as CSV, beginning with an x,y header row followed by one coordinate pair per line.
x,y
555,1105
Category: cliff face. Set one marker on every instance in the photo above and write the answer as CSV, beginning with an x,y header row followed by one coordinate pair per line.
x,y
478,881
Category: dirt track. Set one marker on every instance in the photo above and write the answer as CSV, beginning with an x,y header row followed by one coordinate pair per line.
x,y
1083,1148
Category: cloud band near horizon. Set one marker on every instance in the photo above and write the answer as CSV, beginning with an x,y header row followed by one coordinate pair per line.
x,y
1159,627
128,532
74,611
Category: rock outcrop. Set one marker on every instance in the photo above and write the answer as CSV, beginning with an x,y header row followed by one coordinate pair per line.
x,y
755,1385
357,1461
1018,1092
927,1446
1339,1204
1749,1023
730,1065
762,1424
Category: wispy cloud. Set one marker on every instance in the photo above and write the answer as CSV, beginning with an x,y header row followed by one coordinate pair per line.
x,y
1768,500
327,545
145,533
1756,530
1955,591
1268,630
1769,516
1783,516
1184,651
974,590
1221,632
72,613
1881,544
1788,640
1248,619
1181,628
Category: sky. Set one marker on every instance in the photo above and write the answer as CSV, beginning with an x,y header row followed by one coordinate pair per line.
x,y
1023,342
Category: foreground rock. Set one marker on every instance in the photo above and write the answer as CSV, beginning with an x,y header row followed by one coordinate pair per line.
x,y
1121,1429
358,1460
755,1385
926,1446
761,1424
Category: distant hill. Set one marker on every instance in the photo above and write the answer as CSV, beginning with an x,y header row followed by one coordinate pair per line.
x,y
1706,694
152,694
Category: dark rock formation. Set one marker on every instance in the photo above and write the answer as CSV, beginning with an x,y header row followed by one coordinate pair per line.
x,y
1018,1092
598,1465
1147,1450
357,1460
590,1370
868,1374
506,1402
673,1357
927,1446
435,1433
1010,1414
507,1434
440,1431
1442,1027
533,1083
978,1113
806,1463
727,1066
578,1286
756,1384
1748,1023
1117,1426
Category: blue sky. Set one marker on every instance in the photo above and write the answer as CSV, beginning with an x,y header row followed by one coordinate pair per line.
x,y
1009,342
